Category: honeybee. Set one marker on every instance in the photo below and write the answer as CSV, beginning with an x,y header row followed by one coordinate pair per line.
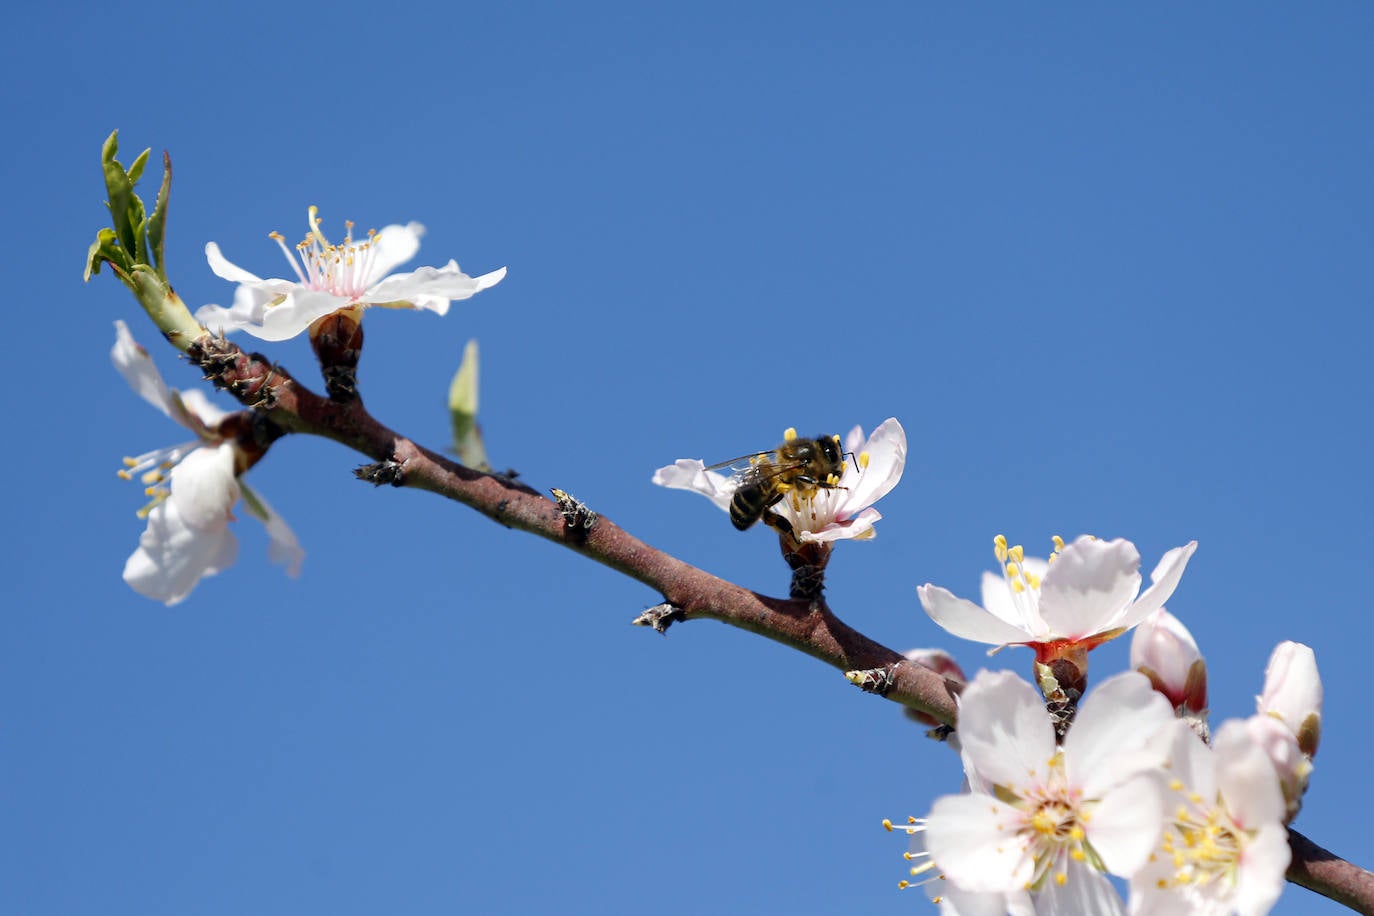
x,y
800,466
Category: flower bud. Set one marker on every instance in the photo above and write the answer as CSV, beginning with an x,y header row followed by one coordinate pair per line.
x,y
1292,766
1293,693
1163,650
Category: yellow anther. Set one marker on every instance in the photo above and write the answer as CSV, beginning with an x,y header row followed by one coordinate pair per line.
x,y
1017,554
1013,571
887,825
1033,581
910,819
130,463
863,461
790,434
903,885
1176,784
1058,542
1018,586
1077,855
1061,878
906,855
124,475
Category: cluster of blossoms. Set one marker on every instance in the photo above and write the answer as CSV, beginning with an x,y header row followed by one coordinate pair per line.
x,y
1135,787
194,487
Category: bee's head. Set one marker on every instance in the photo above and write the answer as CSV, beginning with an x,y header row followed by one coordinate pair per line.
x,y
832,451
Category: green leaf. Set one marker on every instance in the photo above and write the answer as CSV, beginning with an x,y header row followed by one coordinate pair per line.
x,y
106,248
126,209
157,223
462,408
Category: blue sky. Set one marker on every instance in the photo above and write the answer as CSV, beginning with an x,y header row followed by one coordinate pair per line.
x,y
1110,268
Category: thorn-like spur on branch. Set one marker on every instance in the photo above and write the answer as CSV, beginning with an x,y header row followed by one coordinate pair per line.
x,y
576,515
903,677
381,473
872,680
660,617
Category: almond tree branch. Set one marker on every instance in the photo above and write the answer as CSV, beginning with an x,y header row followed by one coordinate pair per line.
x,y
809,626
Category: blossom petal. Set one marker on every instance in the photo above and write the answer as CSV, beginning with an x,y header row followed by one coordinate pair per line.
x,y
967,620
139,370
282,546
201,408
392,246
854,440
1115,720
691,474
1163,580
300,309
1127,823
1000,603
225,269
968,838
859,528
1085,892
1190,760
1088,586
1246,777
431,288
886,450
204,487
1261,876
173,556
1006,737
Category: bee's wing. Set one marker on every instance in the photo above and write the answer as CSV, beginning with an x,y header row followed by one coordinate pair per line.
x,y
734,461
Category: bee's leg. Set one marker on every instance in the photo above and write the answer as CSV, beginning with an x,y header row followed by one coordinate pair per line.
x,y
774,521
779,524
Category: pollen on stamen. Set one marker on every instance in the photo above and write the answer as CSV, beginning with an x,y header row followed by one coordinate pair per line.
x,y
790,434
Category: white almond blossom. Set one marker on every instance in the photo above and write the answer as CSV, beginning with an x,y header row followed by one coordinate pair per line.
x,y
844,511
194,487
1224,848
330,277
1087,593
1051,818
